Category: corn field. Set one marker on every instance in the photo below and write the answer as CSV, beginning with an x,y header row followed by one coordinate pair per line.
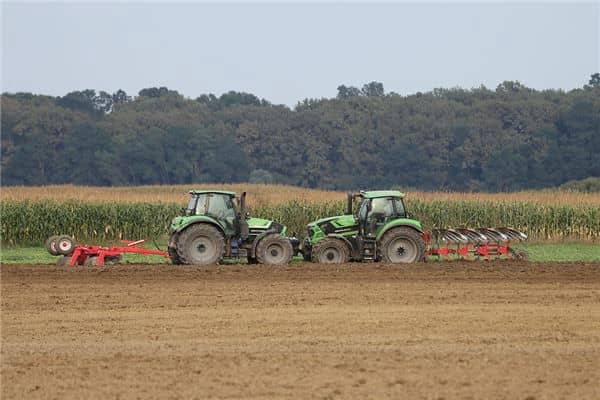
x,y
263,195
31,222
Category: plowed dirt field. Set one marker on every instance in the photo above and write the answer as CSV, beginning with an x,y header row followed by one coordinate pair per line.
x,y
510,330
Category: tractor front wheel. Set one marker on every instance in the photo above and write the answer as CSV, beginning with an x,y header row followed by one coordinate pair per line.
x,y
274,249
200,244
402,245
330,251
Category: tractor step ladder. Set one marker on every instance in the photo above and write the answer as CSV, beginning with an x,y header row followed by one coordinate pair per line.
x,y
369,249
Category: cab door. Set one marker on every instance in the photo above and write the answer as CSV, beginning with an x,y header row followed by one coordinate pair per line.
x,y
221,208
380,211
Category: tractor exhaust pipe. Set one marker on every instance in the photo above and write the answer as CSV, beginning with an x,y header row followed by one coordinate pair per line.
x,y
349,206
244,229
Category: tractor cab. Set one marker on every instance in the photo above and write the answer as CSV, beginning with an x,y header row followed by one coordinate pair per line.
x,y
218,205
377,208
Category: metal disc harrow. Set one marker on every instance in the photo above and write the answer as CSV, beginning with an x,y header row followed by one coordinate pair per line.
x,y
73,254
468,244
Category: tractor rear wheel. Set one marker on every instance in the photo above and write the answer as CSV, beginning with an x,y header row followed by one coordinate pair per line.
x,y
331,251
402,245
274,249
174,256
200,244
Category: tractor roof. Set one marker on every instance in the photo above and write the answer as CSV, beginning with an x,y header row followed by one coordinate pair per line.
x,y
225,192
381,193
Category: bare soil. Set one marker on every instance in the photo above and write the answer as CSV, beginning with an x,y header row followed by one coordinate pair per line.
x,y
494,330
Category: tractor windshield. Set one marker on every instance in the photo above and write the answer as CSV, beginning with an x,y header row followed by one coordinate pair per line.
x,y
197,205
222,208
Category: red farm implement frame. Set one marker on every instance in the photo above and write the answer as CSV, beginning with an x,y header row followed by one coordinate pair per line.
x,y
84,254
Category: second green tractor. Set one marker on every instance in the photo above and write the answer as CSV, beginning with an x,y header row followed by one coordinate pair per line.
x,y
379,229
213,227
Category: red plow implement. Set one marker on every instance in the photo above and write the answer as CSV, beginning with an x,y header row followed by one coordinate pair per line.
x,y
469,244
84,254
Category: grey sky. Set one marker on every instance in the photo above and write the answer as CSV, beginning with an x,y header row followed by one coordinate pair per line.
x,y
289,52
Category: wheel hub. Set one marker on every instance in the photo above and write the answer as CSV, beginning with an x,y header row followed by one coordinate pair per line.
x,y
401,250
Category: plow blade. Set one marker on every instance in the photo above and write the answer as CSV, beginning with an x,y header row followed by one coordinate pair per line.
x,y
467,243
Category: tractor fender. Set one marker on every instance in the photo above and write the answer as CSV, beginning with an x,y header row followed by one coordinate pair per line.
x,y
190,222
411,223
258,238
198,219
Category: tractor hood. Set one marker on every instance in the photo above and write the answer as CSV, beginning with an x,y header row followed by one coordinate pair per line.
x,y
343,225
340,220
259,223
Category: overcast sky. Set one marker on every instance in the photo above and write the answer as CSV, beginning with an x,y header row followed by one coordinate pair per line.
x,y
289,52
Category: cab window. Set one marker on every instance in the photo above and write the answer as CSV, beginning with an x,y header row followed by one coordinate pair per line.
x,y
399,204
382,207
221,207
197,205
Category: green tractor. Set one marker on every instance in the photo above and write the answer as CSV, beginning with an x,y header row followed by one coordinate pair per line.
x,y
213,227
381,230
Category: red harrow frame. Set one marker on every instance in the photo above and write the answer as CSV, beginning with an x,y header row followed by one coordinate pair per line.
x,y
471,244
84,254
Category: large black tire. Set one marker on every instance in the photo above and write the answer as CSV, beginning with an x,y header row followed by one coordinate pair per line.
x,y
200,244
51,245
65,245
402,245
331,251
274,249
174,256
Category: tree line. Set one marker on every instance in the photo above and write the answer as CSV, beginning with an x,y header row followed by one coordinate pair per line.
x,y
509,138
